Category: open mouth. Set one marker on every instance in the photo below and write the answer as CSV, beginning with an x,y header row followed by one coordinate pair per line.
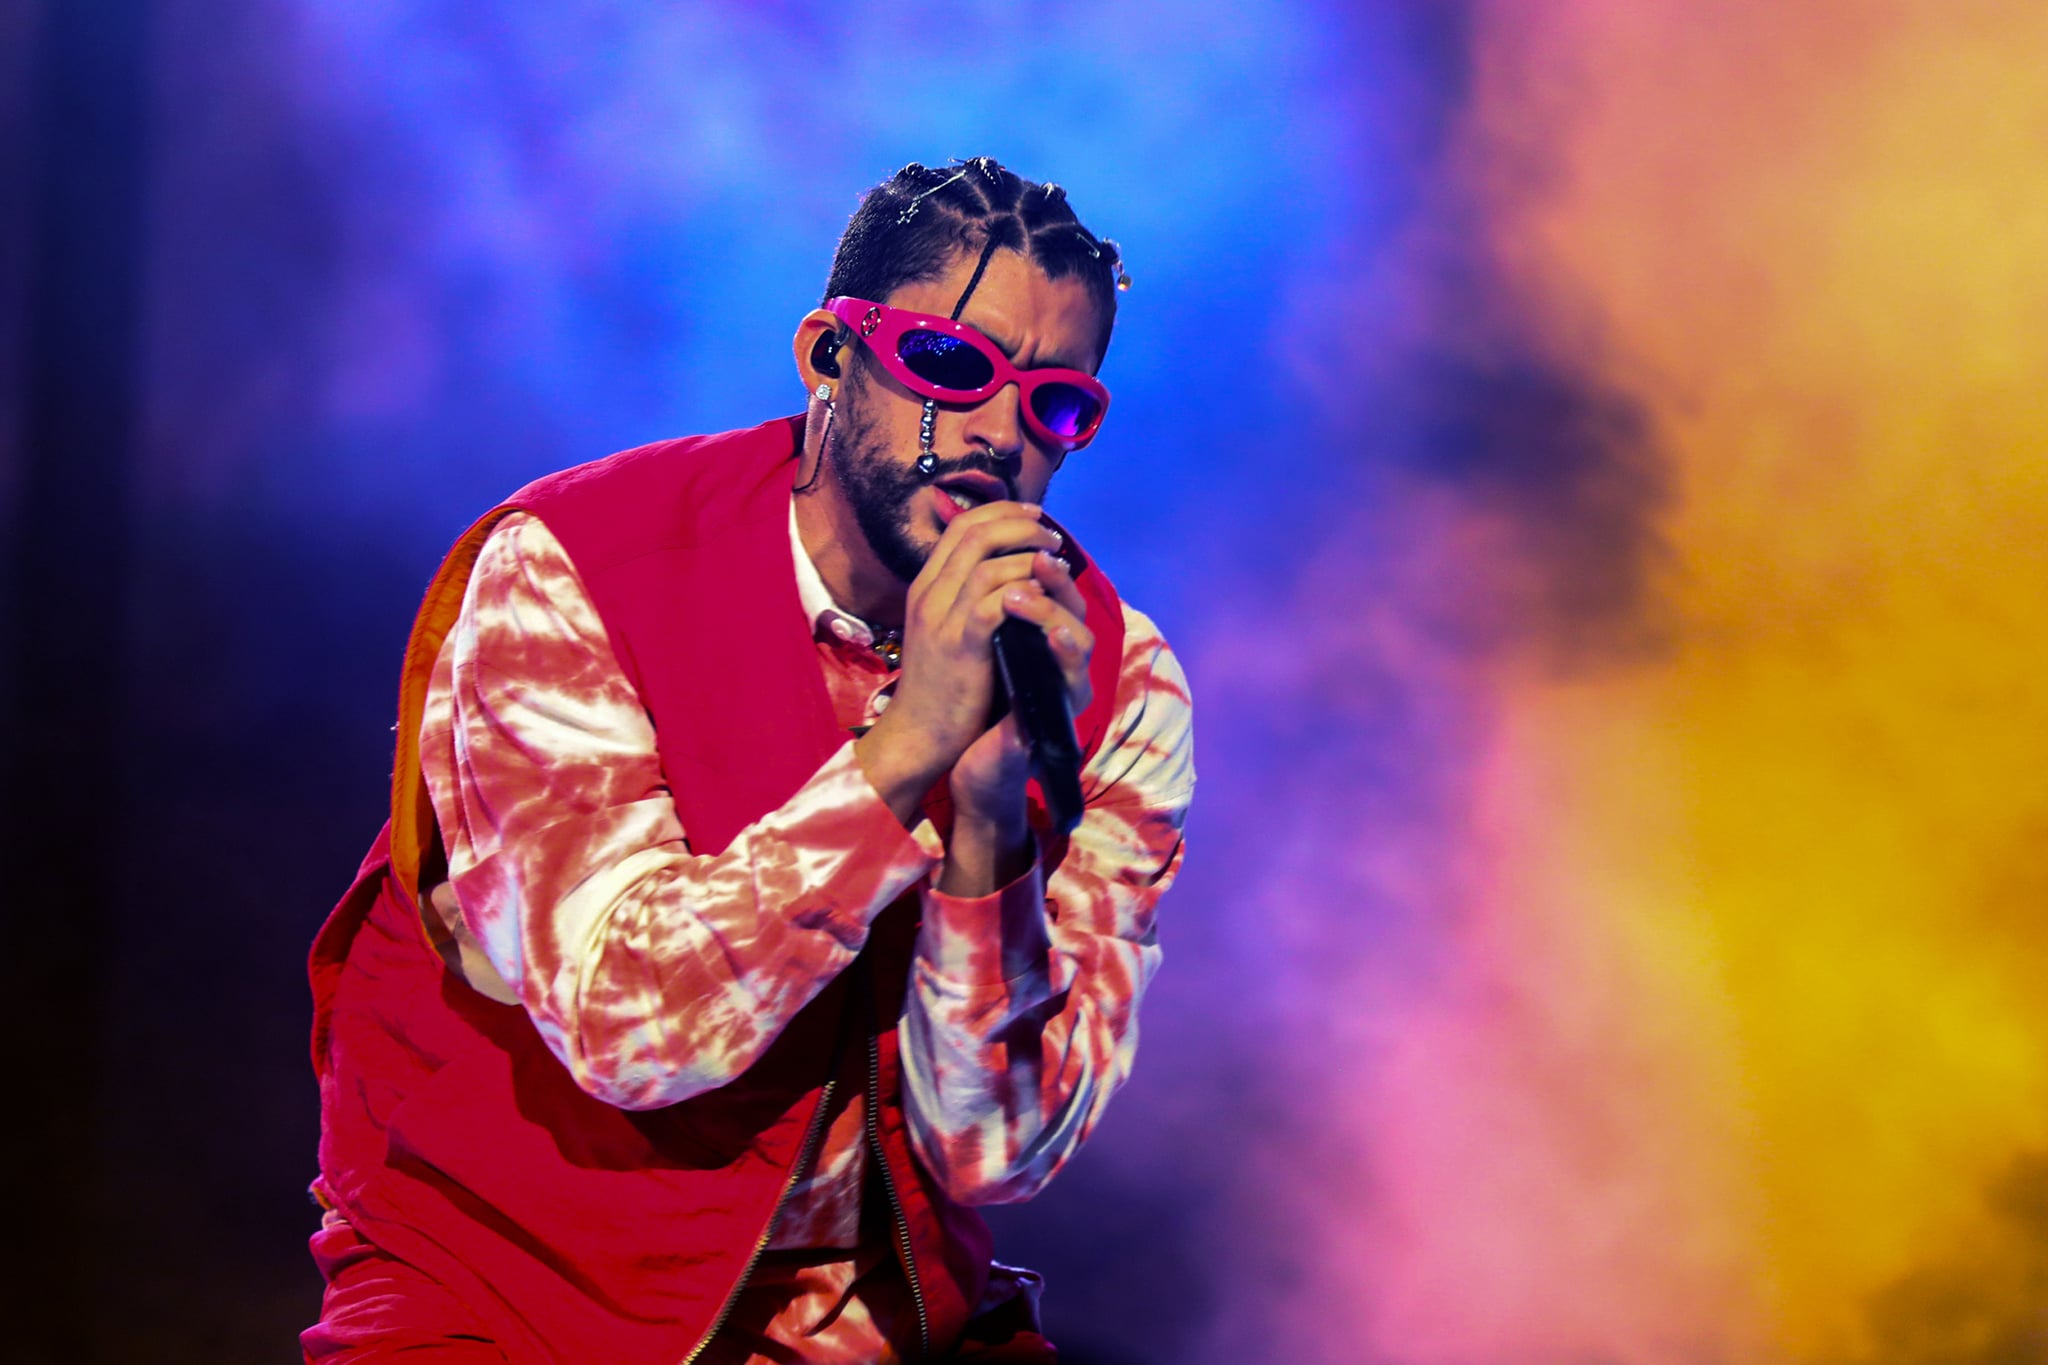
x,y
966,491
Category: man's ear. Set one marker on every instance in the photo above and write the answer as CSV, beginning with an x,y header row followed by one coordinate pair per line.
x,y
819,349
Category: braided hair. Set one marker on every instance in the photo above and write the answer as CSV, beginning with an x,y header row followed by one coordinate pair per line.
x,y
910,228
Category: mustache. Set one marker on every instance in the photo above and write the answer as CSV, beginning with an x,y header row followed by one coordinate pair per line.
x,y
982,463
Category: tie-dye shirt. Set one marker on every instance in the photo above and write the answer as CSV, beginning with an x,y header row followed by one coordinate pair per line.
x,y
657,973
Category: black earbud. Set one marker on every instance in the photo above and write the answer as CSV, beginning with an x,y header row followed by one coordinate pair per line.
x,y
824,355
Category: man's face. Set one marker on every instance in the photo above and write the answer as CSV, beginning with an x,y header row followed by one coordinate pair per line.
x,y
984,450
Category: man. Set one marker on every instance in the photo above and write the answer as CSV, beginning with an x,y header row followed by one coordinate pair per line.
x,y
720,954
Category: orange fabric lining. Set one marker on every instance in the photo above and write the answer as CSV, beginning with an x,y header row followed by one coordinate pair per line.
x,y
413,831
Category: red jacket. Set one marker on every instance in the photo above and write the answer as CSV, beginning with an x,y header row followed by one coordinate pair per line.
x,y
452,1138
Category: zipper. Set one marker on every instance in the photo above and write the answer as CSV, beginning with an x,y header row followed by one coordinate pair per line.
x,y
806,1153
901,1224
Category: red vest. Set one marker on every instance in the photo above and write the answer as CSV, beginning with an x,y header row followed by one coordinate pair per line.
x,y
451,1137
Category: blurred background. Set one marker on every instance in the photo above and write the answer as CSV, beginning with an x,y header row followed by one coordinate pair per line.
x,y
1588,455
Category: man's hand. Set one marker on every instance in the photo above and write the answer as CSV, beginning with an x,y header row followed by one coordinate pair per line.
x,y
938,720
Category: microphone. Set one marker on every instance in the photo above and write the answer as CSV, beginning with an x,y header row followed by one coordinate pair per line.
x,y
1035,689
1031,684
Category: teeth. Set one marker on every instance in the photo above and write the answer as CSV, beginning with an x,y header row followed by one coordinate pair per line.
x,y
964,498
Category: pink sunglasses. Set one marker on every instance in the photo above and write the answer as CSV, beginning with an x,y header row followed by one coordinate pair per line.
x,y
939,358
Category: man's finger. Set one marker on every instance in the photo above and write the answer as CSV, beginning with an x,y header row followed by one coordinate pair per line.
x,y
978,609
949,540
1052,571
980,543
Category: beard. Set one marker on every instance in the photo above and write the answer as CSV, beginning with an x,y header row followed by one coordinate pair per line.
x,y
879,486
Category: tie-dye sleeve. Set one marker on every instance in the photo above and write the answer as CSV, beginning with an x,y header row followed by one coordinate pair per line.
x,y
1023,1015
653,972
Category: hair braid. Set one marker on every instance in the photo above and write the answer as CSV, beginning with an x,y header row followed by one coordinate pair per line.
x,y
911,227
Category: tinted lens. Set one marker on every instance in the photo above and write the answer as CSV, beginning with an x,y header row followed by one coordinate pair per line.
x,y
1066,409
944,360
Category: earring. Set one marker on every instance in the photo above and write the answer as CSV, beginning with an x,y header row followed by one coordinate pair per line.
x,y
823,391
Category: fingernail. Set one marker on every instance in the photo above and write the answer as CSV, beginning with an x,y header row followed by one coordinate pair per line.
x,y
1066,637
1016,597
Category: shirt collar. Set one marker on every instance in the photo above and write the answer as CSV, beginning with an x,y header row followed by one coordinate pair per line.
x,y
829,621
